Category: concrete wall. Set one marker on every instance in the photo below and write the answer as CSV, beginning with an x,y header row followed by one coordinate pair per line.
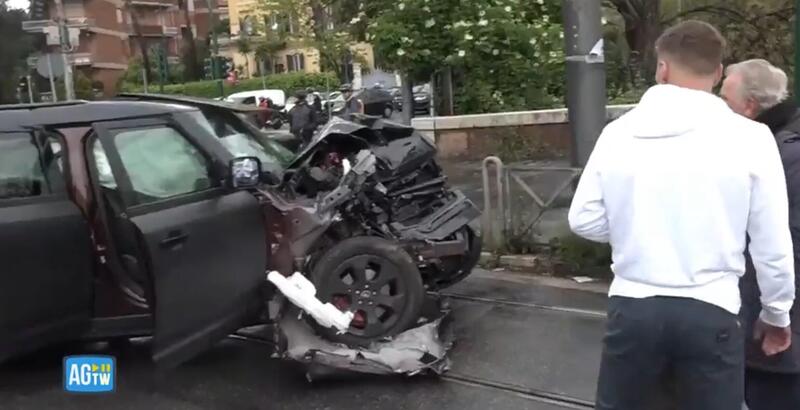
x,y
543,134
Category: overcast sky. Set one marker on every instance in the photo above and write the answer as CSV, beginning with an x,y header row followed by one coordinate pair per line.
x,y
18,4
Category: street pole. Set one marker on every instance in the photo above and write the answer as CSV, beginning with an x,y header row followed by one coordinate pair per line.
x,y
63,31
797,51
215,63
30,89
586,75
52,78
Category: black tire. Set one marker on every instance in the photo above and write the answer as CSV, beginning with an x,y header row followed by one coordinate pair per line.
x,y
351,276
454,269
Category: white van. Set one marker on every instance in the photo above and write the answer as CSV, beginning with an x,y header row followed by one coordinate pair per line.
x,y
278,97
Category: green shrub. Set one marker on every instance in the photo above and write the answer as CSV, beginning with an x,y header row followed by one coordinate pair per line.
x,y
288,82
582,254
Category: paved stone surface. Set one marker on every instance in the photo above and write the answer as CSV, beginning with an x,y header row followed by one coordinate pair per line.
x,y
521,288
516,345
537,349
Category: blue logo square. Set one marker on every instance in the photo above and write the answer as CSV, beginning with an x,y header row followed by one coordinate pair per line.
x,y
90,374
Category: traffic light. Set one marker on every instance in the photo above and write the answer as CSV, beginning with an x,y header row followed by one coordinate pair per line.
x,y
208,68
227,65
163,64
23,87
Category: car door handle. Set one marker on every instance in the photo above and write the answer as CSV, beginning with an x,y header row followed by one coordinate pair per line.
x,y
174,239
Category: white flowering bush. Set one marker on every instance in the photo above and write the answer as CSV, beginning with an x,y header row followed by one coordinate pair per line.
x,y
508,54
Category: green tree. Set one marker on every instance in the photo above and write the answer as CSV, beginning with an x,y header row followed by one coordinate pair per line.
x,y
265,51
753,28
314,26
509,53
15,47
191,60
245,47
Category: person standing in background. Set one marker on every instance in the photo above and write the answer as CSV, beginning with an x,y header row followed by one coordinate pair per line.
x,y
758,90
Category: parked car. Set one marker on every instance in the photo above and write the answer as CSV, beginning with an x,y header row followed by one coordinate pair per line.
x,y
277,116
422,99
278,97
161,217
377,102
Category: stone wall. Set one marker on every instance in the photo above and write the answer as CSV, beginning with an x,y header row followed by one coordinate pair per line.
x,y
531,135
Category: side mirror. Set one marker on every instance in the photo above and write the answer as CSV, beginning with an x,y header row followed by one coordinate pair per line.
x,y
245,172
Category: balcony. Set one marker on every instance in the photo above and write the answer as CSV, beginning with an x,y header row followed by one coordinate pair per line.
x,y
154,30
41,26
77,59
154,3
81,59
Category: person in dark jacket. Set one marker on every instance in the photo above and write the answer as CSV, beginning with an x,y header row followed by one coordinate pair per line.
x,y
302,119
352,105
758,90
316,101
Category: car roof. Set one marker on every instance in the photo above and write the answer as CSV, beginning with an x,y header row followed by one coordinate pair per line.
x,y
24,116
191,101
256,93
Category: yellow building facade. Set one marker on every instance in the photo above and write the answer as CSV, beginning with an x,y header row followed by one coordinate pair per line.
x,y
295,56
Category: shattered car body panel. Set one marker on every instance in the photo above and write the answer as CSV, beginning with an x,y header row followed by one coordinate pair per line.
x,y
395,190
422,349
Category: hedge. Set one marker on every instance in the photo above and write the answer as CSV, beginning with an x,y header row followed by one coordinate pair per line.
x,y
288,82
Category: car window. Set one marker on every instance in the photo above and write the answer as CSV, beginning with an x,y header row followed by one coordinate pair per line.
x,y
159,161
249,100
240,140
24,171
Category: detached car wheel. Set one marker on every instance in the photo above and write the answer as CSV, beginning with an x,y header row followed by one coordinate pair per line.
x,y
374,278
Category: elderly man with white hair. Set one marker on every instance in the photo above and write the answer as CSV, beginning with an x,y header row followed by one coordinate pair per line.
x,y
758,90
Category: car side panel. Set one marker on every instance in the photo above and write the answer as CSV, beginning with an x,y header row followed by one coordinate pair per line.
x,y
46,274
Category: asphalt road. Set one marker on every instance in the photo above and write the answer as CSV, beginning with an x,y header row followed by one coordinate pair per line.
x,y
512,349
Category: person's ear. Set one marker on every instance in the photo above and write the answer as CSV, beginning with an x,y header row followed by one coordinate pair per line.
x,y
662,72
718,75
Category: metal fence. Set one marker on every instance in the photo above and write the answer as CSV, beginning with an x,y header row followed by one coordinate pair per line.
x,y
504,220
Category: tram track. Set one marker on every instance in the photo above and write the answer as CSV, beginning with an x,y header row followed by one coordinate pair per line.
x,y
542,396
529,393
504,302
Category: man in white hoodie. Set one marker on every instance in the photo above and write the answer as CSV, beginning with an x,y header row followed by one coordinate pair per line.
x,y
675,186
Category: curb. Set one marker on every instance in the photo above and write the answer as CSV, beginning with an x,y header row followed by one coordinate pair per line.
x,y
513,262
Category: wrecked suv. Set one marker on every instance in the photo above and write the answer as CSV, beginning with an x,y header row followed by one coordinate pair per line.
x,y
132,218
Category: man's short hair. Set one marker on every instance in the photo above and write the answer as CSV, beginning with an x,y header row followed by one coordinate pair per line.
x,y
761,81
694,45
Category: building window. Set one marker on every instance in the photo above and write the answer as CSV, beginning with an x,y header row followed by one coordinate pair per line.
x,y
329,18
119,16
296,62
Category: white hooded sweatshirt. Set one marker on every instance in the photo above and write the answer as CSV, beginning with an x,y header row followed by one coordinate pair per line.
x,y
674,186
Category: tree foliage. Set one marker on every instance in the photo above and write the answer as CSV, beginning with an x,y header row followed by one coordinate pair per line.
x,y
753,28
15,46
509,53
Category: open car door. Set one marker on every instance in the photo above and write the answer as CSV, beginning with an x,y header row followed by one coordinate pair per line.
x,y
203,244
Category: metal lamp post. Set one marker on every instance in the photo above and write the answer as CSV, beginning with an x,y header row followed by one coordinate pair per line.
x,y
586,75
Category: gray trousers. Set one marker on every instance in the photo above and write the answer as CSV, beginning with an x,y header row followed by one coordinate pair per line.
x,y
692,350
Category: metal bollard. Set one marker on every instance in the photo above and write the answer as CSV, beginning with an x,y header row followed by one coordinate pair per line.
x,y
493,226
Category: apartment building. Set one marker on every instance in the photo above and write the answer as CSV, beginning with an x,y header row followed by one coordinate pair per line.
x,y
107,40
296,54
